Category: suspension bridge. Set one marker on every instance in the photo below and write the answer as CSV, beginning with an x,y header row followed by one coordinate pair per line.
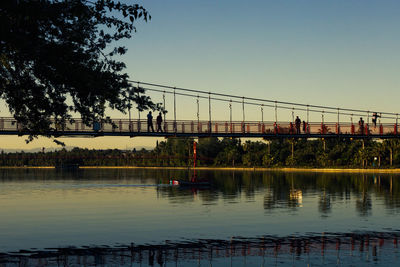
x,y
377,124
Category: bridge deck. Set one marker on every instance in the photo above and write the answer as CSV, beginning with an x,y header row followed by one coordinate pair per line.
x,y
185,128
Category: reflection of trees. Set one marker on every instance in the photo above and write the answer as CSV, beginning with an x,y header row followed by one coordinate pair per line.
x,y
280,189
286,190
364,205
324,203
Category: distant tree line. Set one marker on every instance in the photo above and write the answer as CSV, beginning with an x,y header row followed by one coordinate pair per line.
x,y
226,152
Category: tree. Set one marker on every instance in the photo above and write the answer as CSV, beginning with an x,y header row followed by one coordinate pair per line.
x,y
231,153
391,145
57,58
253,153
378,151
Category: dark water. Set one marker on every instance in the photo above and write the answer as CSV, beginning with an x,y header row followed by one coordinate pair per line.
x,y
120,217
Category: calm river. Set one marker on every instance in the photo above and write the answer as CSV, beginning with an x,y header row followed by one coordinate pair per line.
x,y
246,218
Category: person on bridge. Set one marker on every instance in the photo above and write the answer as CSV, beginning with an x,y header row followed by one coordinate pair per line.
x,y
150,122
361,125
375,116
159,121
297,122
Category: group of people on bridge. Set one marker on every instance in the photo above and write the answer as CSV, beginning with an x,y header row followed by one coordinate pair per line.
x,y
297,124
159,121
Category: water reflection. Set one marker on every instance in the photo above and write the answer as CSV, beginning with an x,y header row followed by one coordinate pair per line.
x,y
355,249
287,190
280,189
107,206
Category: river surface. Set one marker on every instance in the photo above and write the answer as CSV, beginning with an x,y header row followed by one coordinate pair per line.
x,y
42,209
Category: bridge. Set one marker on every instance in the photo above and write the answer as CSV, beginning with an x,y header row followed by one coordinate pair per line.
x,y
382,125
235,129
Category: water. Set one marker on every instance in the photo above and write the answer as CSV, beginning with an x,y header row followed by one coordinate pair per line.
x,y
42,209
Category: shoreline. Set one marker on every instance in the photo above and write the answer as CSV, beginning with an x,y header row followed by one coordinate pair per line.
x,y
282,169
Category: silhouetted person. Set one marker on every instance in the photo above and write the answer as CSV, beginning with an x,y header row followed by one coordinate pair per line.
x,y
297,122
304,127
159,121
375,116
150,122
361,125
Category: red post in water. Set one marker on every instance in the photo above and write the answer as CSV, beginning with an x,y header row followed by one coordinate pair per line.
x,y
194,154
380,129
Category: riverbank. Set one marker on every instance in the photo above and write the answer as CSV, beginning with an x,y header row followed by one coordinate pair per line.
x,y
283,169
332,170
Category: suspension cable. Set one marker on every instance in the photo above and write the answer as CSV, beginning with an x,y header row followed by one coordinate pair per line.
x,y
258,99
257,104
230,111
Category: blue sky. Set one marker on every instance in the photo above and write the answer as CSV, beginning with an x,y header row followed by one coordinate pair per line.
x,y
337,53
330,52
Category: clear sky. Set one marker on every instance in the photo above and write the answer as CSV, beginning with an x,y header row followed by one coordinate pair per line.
x,y
339,53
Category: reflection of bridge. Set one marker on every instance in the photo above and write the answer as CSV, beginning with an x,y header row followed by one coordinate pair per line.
x,y
376,125
186,128
329,248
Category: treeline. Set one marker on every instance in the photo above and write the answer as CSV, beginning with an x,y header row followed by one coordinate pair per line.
x,y
226,152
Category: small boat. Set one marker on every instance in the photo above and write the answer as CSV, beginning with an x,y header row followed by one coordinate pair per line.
x,y
194,181
185,183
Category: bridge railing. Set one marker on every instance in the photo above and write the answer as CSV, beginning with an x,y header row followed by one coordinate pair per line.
x,y
215,127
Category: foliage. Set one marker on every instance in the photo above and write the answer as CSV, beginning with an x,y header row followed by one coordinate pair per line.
x,y
225,152
57,58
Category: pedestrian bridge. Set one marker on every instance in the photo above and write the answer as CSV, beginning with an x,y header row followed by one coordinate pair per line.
x,y
334,122
187,128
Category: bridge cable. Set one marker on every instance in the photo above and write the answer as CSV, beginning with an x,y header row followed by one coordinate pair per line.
x,y
198,113
262,113
175,128
292,114
130,118
209,112
164,111
259,99
252,103
243,109
138,108
230,113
